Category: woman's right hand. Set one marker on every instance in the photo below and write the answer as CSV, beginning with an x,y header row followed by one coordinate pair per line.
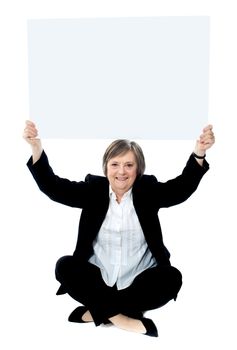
x,y
30,135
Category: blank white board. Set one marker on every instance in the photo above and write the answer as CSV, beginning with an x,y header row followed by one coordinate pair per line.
x,y
107,78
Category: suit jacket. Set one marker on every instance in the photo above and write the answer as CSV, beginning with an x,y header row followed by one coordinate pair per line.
x,y
92,196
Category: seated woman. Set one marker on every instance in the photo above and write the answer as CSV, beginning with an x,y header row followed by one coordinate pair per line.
x,y
120,267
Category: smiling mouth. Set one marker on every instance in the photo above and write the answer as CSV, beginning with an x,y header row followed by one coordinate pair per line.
x,y
121,179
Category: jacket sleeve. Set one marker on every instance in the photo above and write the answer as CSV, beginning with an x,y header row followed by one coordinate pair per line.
x,y
179,189
64,191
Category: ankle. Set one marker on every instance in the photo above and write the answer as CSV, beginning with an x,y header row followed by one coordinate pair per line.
x,y
129,324
86,317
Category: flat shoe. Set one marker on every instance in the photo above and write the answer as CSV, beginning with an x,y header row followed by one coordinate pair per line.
x,y
76,315
150,326
61,290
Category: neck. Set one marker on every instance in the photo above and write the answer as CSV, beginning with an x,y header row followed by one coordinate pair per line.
x,y
118,197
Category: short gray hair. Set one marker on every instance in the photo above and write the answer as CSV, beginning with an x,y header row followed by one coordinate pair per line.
x,y
122,146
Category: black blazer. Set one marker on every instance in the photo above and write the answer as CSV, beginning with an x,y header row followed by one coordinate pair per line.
x,y
92,196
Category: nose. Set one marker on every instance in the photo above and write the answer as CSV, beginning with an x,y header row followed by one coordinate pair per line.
x,y
121,169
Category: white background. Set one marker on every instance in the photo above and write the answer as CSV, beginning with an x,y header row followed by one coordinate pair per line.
x,y
35,232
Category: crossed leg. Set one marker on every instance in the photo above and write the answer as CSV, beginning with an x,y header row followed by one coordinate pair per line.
x,y
150,290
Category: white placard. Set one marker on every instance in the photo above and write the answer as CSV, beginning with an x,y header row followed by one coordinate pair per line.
x,y
136,78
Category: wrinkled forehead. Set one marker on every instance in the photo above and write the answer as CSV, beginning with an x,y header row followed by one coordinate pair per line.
x,y
125,156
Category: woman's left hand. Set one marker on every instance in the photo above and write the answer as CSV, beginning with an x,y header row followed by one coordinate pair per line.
x,y
206,141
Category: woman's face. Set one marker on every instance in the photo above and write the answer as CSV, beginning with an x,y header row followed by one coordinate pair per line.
x,y
122,172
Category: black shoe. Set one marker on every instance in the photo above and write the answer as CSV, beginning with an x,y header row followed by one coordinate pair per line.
x,y
150,326
61,290
76,315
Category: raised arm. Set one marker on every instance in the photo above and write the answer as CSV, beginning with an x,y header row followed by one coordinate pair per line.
x,y
178,189
64,191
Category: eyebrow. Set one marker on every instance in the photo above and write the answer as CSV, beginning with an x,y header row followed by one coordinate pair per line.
x,y
128,162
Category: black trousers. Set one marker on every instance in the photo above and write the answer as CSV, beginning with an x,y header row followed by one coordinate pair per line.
x,y
151,289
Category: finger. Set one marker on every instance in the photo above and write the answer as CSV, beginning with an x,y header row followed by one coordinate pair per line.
x,y
208,127
208,141
30,127
30,123
207,135
30,132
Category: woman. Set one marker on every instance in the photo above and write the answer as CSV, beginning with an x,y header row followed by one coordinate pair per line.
x,y
120,267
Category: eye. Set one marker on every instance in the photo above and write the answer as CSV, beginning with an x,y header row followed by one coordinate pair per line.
x,y
130,165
